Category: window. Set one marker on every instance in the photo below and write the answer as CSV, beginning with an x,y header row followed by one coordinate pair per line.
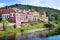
x,y
5,16
21,18
17,14
11,14
17,18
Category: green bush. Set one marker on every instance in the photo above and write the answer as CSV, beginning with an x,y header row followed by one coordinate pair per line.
x,y
56,29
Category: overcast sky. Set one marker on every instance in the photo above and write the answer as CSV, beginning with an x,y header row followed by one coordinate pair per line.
x,y
44,3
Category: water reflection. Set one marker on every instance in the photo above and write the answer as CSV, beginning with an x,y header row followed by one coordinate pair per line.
x,y
28,36
19,36
24,36
9,37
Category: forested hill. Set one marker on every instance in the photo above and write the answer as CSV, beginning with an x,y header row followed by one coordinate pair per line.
x,y
49,10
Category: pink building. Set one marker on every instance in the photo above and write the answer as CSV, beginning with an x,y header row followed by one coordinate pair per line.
x,y
16,15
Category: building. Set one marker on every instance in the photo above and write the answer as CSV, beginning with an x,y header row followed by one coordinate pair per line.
x,y
15,15
43,16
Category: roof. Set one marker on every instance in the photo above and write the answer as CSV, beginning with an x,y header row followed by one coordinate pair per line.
x,y
6,11
16,10
41,13
31,10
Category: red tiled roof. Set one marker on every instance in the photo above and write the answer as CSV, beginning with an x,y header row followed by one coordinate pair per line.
x,y
41,13
32,10
7,11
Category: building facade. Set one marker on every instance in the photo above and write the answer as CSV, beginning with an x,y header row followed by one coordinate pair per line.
x,y
16,15
43,16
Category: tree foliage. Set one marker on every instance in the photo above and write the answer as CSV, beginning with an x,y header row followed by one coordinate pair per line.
x,y
5,23
0,17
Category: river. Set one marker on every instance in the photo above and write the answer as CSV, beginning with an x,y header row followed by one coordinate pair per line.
x,y
29,36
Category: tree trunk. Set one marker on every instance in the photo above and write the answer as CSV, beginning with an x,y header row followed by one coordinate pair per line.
x,y
4,27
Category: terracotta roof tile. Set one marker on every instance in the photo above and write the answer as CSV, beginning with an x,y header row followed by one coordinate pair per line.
x,y
41,13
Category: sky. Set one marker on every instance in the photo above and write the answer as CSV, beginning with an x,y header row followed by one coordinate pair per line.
x,y
43,3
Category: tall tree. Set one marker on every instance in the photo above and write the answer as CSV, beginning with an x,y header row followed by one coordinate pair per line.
x,y
0,17
5,23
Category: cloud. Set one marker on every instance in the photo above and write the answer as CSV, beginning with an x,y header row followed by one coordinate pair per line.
x,y
44,3
2,4
30,2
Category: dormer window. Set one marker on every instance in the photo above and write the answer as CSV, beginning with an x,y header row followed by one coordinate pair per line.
x,y
12,14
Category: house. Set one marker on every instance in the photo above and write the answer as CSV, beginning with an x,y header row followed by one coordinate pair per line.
x,y
5,13
35,14
43,16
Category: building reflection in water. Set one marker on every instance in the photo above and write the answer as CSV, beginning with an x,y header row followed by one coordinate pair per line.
x,y
21,36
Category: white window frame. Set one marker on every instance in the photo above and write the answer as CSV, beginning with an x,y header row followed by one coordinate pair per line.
x,y
12,14
5,16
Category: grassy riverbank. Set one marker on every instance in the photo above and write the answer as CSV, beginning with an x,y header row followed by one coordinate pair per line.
x,y
34,25
9,31
15,30
53,26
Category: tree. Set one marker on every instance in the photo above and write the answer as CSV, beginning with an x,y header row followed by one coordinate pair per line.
x,y
58,17
5,23
49,25
0,17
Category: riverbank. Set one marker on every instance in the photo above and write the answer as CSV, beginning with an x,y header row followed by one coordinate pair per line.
x,y
15,30
43,31
34,25
10,31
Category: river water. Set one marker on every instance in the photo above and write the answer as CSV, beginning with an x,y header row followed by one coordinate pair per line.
x,y
29,36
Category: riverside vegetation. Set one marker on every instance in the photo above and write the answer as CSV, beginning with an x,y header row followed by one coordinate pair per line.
x,y
35,24
54,28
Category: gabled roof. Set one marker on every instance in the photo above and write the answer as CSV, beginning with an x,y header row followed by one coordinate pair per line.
x,y
3,11
41,13
6,11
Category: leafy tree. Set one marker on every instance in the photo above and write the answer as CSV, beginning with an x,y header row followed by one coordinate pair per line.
x,y
0,17
48,25
55,29
58,17
5,23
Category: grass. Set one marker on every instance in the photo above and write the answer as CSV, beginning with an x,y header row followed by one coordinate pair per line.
x,y
9,31
0,24
15,30
40,25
